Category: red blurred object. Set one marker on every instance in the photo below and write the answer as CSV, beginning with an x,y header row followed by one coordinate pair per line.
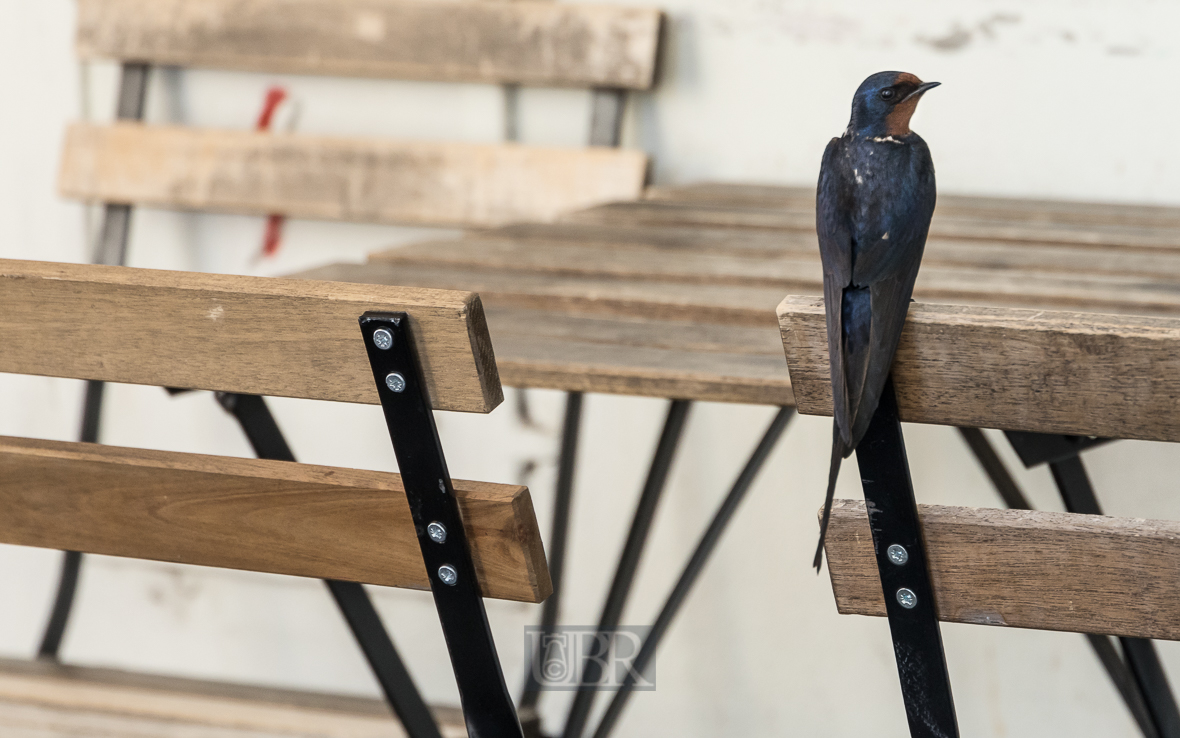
x,y
273,237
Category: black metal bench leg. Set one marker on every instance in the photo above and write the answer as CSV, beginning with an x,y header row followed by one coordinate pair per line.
x,y
551,610
487,705
693,569
905,578
1104,646
1141,657
616,598
398,686
111,250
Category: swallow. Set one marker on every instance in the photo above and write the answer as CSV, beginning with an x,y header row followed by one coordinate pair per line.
x,y
873,205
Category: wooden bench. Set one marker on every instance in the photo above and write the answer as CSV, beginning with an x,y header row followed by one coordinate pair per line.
x,y
1043,372
293,339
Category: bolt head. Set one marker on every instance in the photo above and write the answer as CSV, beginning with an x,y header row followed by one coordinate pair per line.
x,y
383,339
897,554
906,598
437,532
447,575
395,382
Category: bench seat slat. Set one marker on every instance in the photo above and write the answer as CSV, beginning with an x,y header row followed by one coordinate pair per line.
x,y
526,42
369,180
1025,569
1029,370
254,335
254,514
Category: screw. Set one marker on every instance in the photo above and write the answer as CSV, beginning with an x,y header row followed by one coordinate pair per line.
x,y
437,532
448,575
383,339
907,599
897,554
395,382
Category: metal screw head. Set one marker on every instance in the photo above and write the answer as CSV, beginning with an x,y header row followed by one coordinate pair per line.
x,y
437,532
395,382
906,598
383,339
447,575
897,554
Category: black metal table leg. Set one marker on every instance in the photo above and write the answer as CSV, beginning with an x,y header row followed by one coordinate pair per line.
x,y
397,685
557,548
905,578
487,705
111,249
693,569
620,588
1104,646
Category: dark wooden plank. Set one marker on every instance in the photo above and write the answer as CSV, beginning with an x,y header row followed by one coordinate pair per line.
x,y
1029,370
1025,569
255,514
535,43
369,180
252,335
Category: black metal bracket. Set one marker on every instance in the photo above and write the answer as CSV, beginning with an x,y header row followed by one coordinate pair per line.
x,y
487,705
1041,448
905,577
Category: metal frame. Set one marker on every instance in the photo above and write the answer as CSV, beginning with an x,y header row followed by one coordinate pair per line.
x,y
110,249
905,576
487,705
1132,663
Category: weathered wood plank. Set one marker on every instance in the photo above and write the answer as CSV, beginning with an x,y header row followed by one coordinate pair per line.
x,y
637,356
536,43
1030,370
287,338
255,514
356,179
1025,569
40,699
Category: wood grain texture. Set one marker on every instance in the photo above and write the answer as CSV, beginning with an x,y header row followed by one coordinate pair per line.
x,y
356,179
535,43
45,700
253,335
1049,372
255,514
1025,569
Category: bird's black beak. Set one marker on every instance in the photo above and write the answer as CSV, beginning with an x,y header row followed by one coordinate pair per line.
x,y
922,88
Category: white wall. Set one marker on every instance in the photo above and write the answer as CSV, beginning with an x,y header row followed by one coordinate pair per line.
x,y
1049,98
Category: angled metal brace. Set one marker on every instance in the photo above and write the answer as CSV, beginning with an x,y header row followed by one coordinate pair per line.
x,y
111,250
1041,448
905,577
487,705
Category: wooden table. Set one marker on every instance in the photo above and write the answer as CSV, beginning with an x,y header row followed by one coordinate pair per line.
x,y
674,295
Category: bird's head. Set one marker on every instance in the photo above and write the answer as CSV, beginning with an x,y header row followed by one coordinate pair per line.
x,y
884,103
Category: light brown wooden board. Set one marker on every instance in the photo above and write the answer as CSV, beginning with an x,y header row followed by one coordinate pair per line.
x,y
792,270
252,335
535,43
1029,370
44,700
1013,210
1024,569
369,180
968,227
255,514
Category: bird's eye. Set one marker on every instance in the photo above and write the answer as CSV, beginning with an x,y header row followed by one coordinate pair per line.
x,y
886,94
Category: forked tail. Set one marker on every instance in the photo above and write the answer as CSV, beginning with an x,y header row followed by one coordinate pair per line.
x,y
839,451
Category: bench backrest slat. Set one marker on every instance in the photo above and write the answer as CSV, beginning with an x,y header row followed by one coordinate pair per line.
x,y
1030,370
253,335
526,42
253,514
356,179
1024,569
